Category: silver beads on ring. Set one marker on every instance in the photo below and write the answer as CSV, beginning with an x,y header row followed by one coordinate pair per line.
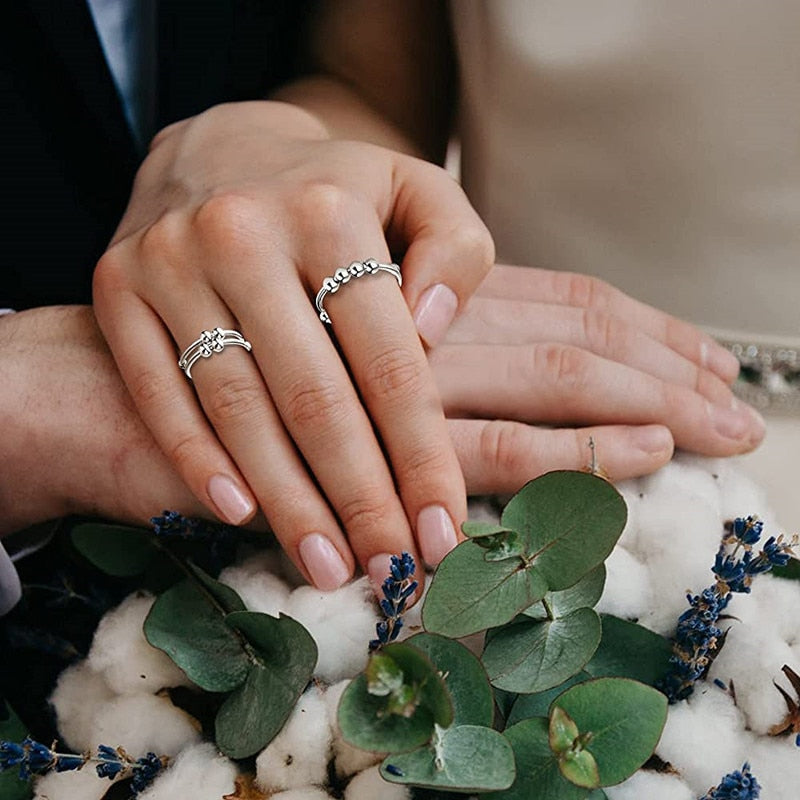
x,y
208,343
343,275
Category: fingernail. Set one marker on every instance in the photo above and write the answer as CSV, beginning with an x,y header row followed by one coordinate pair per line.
x,y
435,533
321,559
734,422
719,360
229,499
378,571
653,439
434,313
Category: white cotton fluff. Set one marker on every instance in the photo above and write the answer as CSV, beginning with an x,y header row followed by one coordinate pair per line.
x,y
299,755
369,785
260,590
627,589
305,793
774,762
79,694
342,623
199,773
704,738
121,653
348,760
143,723
83,784
651,786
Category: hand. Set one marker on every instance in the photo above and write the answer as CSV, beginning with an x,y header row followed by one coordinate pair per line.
x,y
559,349
72,442
236,217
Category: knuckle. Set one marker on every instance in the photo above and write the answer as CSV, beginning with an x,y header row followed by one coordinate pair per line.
x,y
324,204
187,451
424,464
109,275
227,221
164,240
504,448
393,374
602,332
584,291
232,399
475,245
365,511
320,404
566,367
150,389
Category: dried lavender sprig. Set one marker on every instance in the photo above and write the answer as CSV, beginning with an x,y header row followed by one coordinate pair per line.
x,y
738,785
396,589
698,638
35,758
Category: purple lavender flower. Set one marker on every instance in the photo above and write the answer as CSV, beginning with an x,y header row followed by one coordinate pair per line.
x,y
397,588
738,785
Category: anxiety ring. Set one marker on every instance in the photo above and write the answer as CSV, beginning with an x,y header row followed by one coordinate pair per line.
x,y
208,343
333,283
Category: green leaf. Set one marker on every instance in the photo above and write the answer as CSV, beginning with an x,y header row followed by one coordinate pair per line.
x,y
384,675
464,677
469,594
538,704
625,719
580,768
790,572
118,550
498,542
368,722
187,622
531,656
227,598
464,758
254,714
538,775
584,594
562,732
12,730
628,650
571,521
476,529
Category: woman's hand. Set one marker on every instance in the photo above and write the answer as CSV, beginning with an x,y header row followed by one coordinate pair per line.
x,y
236,218
559,349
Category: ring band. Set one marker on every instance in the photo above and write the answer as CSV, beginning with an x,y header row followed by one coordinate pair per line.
x,y
333,283
208,343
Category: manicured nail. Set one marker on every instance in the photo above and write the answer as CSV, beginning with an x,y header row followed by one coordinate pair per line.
x,y
378,571
232,503
734,422
435,534
719,360
652,439
434,313
323,562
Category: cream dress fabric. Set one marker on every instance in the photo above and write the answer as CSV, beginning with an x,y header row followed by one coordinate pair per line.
x,y
653,143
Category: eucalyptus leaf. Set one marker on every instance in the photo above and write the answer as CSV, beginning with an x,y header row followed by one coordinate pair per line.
x,y
227,598
188,624
538,775
580,768
464,758
789,572
285,655
562,732
118,550
464,676
571,521
628,650
584,594
531,656
625,719
469,594
498,542
538,704
12,729
476,529
369,722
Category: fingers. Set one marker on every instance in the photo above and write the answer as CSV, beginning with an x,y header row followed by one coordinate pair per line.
x,y
563,385
584,291
499,456
504,321
451,250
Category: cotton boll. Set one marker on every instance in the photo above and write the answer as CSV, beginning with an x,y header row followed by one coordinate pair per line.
x,y
369,785
199,772
260,590
651,785
773,596
306,793
342,623
121,652
348,759
704,738
299,754
774,764
143,723
628,587
79,694
83,784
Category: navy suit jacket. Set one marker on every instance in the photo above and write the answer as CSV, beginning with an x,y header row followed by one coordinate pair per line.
x,y
67,156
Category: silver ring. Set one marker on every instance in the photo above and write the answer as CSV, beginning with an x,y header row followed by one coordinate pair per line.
x,y
208,343
332,284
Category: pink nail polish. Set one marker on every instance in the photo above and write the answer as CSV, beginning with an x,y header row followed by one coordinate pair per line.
x,y
435,534
434,313
233,504
326,567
